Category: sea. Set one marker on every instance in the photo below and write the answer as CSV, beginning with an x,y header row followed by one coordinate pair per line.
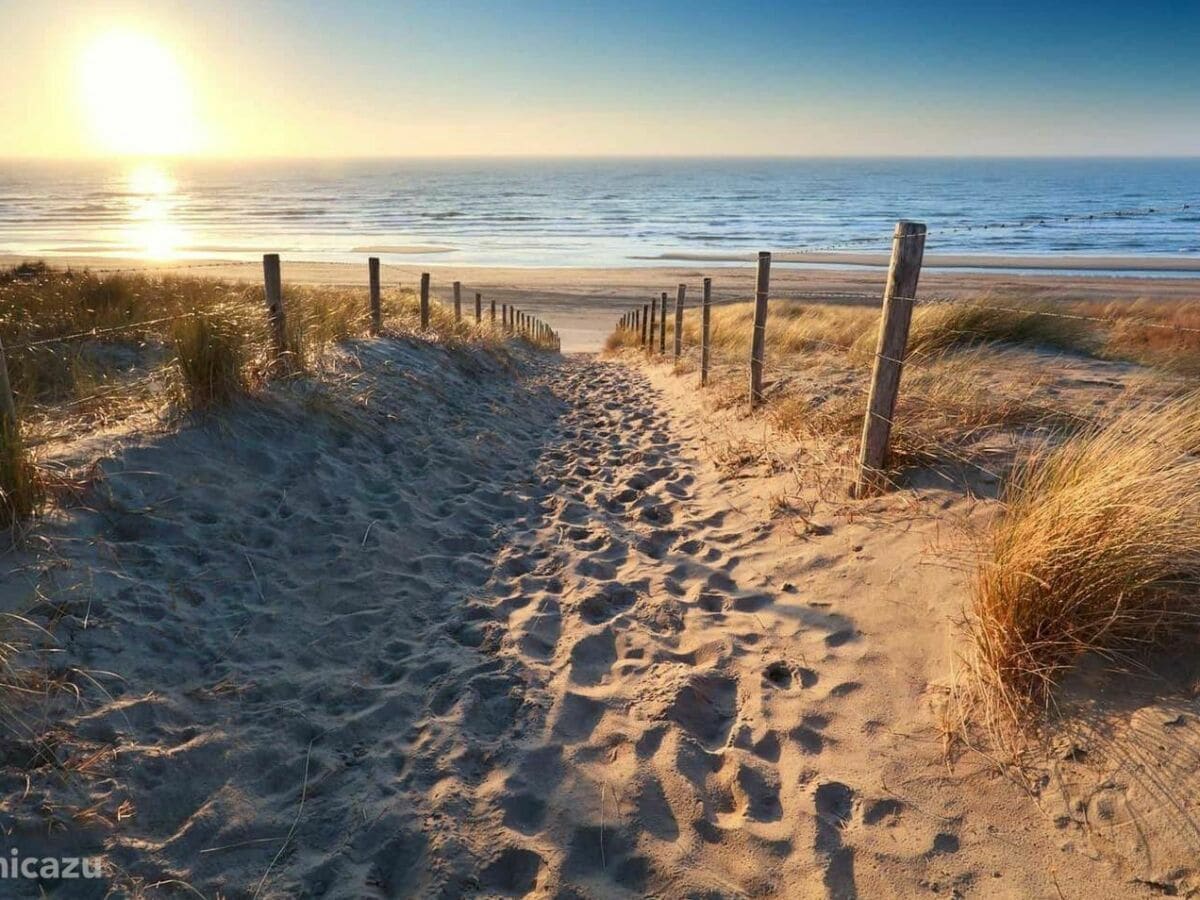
x,y
596,212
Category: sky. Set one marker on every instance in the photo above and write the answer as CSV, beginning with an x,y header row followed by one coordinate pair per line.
x,y
303,78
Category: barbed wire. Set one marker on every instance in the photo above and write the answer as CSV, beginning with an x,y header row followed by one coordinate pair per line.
x,y
96,332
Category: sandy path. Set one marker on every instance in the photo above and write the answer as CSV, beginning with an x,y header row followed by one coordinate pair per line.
x,y
505,637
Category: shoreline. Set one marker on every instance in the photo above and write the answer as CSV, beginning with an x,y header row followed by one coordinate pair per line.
x,y
1072,264
583,303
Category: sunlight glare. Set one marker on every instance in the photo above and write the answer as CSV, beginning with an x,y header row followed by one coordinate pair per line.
x,y
136,96
153,228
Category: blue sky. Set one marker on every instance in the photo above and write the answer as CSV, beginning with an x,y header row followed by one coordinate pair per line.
x,y
313,78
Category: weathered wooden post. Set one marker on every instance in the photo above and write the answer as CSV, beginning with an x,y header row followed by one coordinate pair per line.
x,y
762,287
645,321
908,250
376,307
10,425
653,313
662,325
705,316
478,308
493,301
424,300
273,285
679,294
457,301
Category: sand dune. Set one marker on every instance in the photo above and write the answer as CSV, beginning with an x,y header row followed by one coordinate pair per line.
x,y
432,626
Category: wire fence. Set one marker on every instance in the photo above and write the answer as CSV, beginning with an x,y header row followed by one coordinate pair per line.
x,y
101,383
879,388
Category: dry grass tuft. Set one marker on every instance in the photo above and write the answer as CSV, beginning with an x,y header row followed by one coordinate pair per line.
x,y
21,487
212,354
1097,550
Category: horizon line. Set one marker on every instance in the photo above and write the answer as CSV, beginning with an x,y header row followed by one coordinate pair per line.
x,y
185,157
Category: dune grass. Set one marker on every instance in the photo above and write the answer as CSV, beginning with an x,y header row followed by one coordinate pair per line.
x,y
1097,550
955,364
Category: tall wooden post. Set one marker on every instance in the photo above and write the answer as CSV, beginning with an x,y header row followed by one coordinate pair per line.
x,y
653,313
376,306
662,325
908,251
679,321
493,312
457,302
705,316
478,308
645,321
273,284
9,423
758,341
424,300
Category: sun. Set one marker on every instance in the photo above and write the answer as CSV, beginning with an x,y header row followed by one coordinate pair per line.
x,y
135,95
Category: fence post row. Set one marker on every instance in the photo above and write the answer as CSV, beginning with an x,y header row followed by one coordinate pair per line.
x,y
681,290
762,287
908,251
376,307
662,325
705,311
273,286
424,299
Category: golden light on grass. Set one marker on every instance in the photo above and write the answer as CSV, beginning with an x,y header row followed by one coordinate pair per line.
x,y
1097,550
136,96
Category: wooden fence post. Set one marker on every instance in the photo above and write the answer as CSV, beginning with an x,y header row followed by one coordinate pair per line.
x,y
662,325
705,315
424,300
908,250
645,322
478,308
273,284
376,307
679,321
762,287
457,301
493,312
653,320
10,425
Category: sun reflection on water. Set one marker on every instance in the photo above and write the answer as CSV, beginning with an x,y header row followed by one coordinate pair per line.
x,y
153,228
